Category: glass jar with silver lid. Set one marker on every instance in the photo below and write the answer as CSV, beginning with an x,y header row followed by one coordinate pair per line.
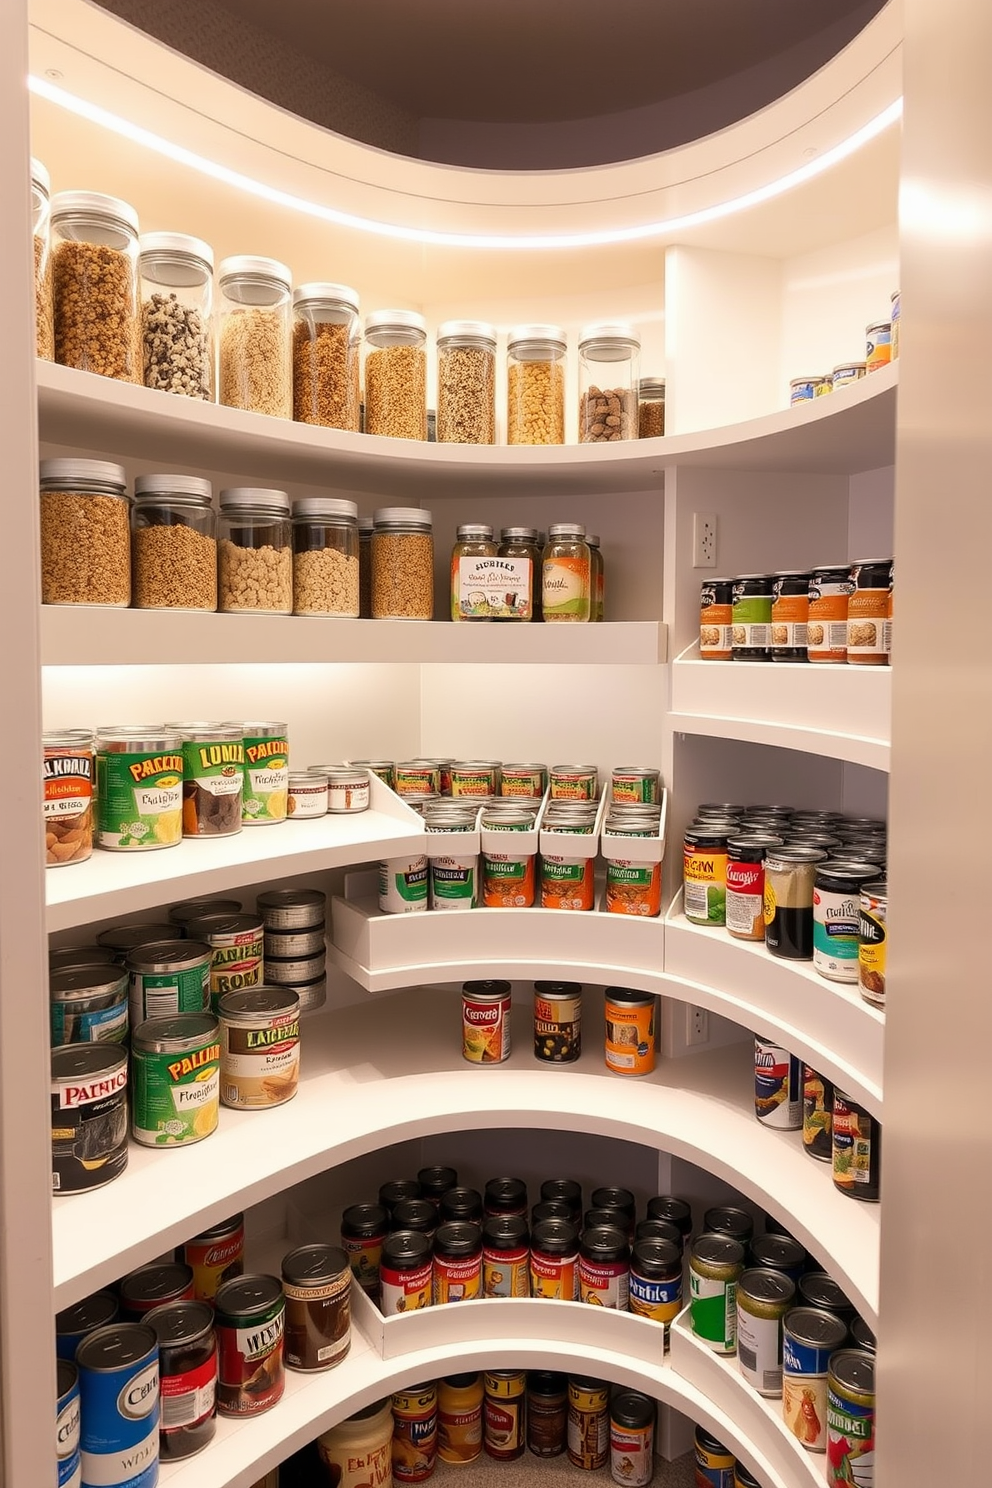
x,y
85,536
608,357
177,287
535,377
255,561
95,284
254,357
327,347
173,543
466,382
325,556
396,374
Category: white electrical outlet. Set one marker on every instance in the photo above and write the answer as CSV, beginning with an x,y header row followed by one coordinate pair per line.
x,y
697,1026
704,540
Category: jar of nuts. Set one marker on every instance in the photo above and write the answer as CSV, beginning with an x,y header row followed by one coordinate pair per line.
x,y
325,556
402,564
85,538
327,343
535,374
95,284
41,231
255,559
255,362
173,543
608,356
466,382
177,290
396,374
651,408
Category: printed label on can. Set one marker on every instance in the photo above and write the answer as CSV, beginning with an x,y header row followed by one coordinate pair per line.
x,y
403,884
188,1398
250,1372
744,901
835,934
752,627
704,879
459,1434
635,787
827,625
528,784
454,882
759,1351
789,622
75,1024
804,1391
557,1028
363,1258
68,808
777,1088
236,962
89,1131
566,588
414,1447
507,882
405,1291
266,780
659,1300
632,1454
630,1037
715,628
485,1030
554,1276
213,786
163,994
473,782
457,1280
713,1311
119,1425
817,1115
604,1283
878,347
566,883
867,613
488,588
850,1442
348,795
588,1428
503,1426
713,1469
872,945
505,1273
633,888
67,1439
260,1066
175,1097
139,800
214,1261
414,779
851,1145
572,785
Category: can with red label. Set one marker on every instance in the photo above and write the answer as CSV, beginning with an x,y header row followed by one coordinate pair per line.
x,y
187,1377
554,1260
251,1313
486,1022
215,1256
406,1272
604,1267
745,901
778,1091
457,1262
504,1435
68,776
415,1433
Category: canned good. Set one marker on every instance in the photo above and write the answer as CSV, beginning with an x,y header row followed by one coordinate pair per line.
x,y
166,978
505,1256
67,958
89,1116
508,878
363,1230
67,1425
847,373
139,788
763,1299
294,971
287,945
872,941
417,777
505,1196
743,1478
836,917
716,1263
632,1438
459,1418
259,1047
790,873
406,1272
348,791
573,782
526,781
415,1214
554,1260
316,1280
633,887
187,1376
674,1211
817,1289
751,632
557,1022
745,884
547,1412
565,1191
862,1337
777,1089
251,1317
475,778
486,1022
216,1255
266,783
809,1338
878,349
635,783
454,881
790,614
119,1406
88,1004
726,1219
384,769
414,1444
818,1104
567,882
588,1423
175,1080
504,1413
851,1418
436,1181
357,1452
826,633
403,884
656,1279
868,612
714,1462
155,1285
237,947
716,615
604,1267
194,909
457,1262
631,1041
67,772
704,874
461,1203
307,795
805,389
213,778
773,1252
857,1149
75,1323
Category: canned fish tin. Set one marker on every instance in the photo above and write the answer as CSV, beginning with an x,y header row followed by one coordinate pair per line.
x,y
406,1271
505,1256
778,1100
554,1260
763,1298
119,1400
213,778
878,347
403,884
363,1229
316,1280
631,1039
715,1266
714,1462
259,1047
167,978
604,1267
656,1280
67,771
525,781
857,1149
237,946
266,783
67,1426
475,778
704,874
632,1438
573,782
188,1377
751,635
251,1317
486,1022
215,1256
557,1022
873,941
88,1004
805,389
845,374
175,1080
818,1104
588,1423
414,1448
851,1418
716,615
504,1413
826,632
139,788
809,1337
292,909
635,783
836,917
457,1262
307,795
75,1323
89,1116
790,613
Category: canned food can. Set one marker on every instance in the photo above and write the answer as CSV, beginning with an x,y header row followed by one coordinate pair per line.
x,y
75,1323
454,881
307,795
213,778
459,1418
715,1266
635,783
656,1280
751,635
505,1256
251,1318
486,1022
406,1271
67,771
527,781
763,1299
457,1262
316,1280
604,1267
475,778
139,788
259,1047
168,977
88,1005
845,374
384,769
508,879
809,1337
292,909
67,1426
868,612
632,1438
503,1413
631,1038
119,1406
89,1116
348,791
805,389
790,614
836,917
633,887
704,874
194,909
873,941
714,1462
417,777
716,613
364,1227
745,884
567,882
216,1255
403,884
237,948
547,1412
188,1376
414,1448
573,782
878,345
557,1022
777,1089
155,1285
295,971
851,1418
554,1260
818,1104
857,1149
266,785
175,1080
826,631
588,1423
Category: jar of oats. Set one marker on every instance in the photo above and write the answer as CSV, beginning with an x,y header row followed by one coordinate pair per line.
x,y
466,382
173,543
325,556
95,284
608,355
402,564
255,555
41,231
396,374
85,536
327,344
535,375
177,291
255,361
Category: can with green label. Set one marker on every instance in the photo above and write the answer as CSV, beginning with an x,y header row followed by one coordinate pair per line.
x,y
213,778
715,1266
266,784
237,942
139,787
168,977
403,884
175,1080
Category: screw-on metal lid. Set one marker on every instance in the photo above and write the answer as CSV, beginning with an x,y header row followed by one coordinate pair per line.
x,y
610,333
96,203
475,529
402,516
651,387
40,176
521,335
174,242
407,320
102,472
325,506
365,525
521,534
172,485
248,264
566,529
479,330
341,294
247,498
592,538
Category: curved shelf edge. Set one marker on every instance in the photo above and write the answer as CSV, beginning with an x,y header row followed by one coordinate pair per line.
x,y
876,754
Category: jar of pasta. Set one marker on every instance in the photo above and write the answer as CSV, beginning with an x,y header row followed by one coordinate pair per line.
x,y
255,560
608,355
466,382
327,343
535,374
396,374
95,284
41,232
255,364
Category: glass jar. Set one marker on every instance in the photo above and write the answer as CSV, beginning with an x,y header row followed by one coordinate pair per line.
x,y
41,232
85,537
396,374
466,382
173,543
608,356
325,556
651,408
535,374
327,342
402,564
177,292
255,559
95,284
365,526
567,574
597,578
470,582
255,363
521,544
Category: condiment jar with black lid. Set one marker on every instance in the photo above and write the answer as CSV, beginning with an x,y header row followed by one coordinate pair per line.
x,y
153,1286
461,1203
435,1181
659,1229
547,1412
617,1198
505,1256
817,1289
505,1196
554,1254
632,1420
725,1219
778,1253
555,1209
594,1219
317,1282
187,1345
656,1277
564,1191
392,1193
675,1210
415,1214
790,612
752,617
604,1267
406,1271
74,1323
457,1250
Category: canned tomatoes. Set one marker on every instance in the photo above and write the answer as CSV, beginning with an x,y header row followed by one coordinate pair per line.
x,y
175,1080
251,1315
630,1031
119,1402
809,1337
716,613
527,781
777,1088
89,1116
557,1022
216,1255
486,1022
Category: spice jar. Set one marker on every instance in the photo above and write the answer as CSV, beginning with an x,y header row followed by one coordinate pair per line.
x,y
187,1376
521,572
396,374
95,284
85,542
317,1282
566,574
402,564
253,312
325,556
547,1412
466,382
177,287
255,565
41,231
651,408
608,354
358,1452
535,371
365,528
327,342
173,543
68,770
476,580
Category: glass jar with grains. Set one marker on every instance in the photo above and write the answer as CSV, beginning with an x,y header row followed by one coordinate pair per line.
x,y
567,574
255,559
173,543
41,232
85,538
651,408
396,374
402,564
325,556
466,382
95,284
535,376
608,355
177,291
327,343
256,368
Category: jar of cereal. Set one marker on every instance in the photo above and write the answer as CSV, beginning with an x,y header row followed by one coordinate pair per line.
x,y
327,342
535,371
173,543
41,232
95,284
256,369
255,557
85,538
325,556
396,374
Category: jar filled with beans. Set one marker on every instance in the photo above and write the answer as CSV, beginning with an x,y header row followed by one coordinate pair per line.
x,y
173,543
85,536
396,374
651,408
177,292
255,362
466,382
255,556
95,284
402,564
41,232
327,343
608,355
535,376
325,556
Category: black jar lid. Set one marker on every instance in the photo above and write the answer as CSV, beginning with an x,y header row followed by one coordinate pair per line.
x,y
764,1285
555,1237
743,1478
676,1211
415,1214
614,1198
505,1231
862,1336
594,1219
95,1311
436,1181
562,1190
160,1282
552,1209
314,1265
815,1328
460,1381
404,1250
725,1219
777,1252
363,1221
559,989
817,1289
716,1249
604,1243
854,1370
631,1408
629,995
247,1296
116,1346
505,1196
546,1382
461,1203
180,1323
653,1257
392,1193
588,1384
495,988
457,1238
660,1229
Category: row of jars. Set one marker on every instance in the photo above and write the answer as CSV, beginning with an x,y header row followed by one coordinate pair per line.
x,y
526,575
141,309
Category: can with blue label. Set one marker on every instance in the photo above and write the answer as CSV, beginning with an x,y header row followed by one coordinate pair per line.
x,y
714,1462
77,1322
88,1004
778,1090
656,1281
809,1337
119,1389
67,1426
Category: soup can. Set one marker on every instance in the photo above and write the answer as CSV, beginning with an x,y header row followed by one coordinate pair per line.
x,y
715,1266
526,780
89,1116
259,1047
406,1272
631,1039
414,1447
475,778
67,1426
604,1267
457,1262
251,1318
878,345
751,632
573,782
237,947
632,1417
716,613
836,917
554,1260
778,1100
486,1022
88,1004
763,1299
851,1418
588,1423
714,1462
168,977
139,788
403,884
175,1080
656,1280
557,1022
745,885
505,1256
809,1337
215,1256
119,1406
504,1413
635,783
508,878
873,941
266,785
790,613
857,1149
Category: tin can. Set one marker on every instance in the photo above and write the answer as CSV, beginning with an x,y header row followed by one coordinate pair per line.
x,y
727,1219
631,1039
406,1272
868,612
89,1116
763,1299
817,1289
826,633
123,939
237,948
714,1462
216,1255
809,1337
751,633
526,781
604,1267
857,1149
72,957
461,1203
673,1210
656,1280
635,783
67,1426
878,347
139,788
873,941
504,1413
175,1080
508,879
836,917
745,884
414,1446
475,778
845,374
363,1230
573,782
67,772
486,1022
633,887
435,1181
564,1191
743,1478
588,1423
251,1317
851,1418
403,884
348,791
194,909
119,1405
266,784
75,1323
88,1005
166,978
716,615
457,1262
307,795
454,881
213,778
459,1418
316,1281
772,1252
621,1201
547,1412
715,1266
259,1047
416,777
557,1022
289,945
295,971
505,1196
567,882
385,769
505,1256
862,1337
818,1103
632,1418
554,1260
704,874
415,1214
805,389
292,909
777,1088
188,1377
154,1285
790,614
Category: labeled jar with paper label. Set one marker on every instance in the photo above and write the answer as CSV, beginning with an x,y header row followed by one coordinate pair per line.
x,y
716,616
475,573
837,915
588,1423
790,614
68,770
826,631
566,575
868,612
751,632
632,1418
519,548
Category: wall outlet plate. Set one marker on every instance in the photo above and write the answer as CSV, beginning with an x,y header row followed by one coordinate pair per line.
x,y
704,540
697,1026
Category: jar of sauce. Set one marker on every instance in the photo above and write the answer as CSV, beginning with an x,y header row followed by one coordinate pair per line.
x,y
547,1413
358,1452
187,1377
459,1418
